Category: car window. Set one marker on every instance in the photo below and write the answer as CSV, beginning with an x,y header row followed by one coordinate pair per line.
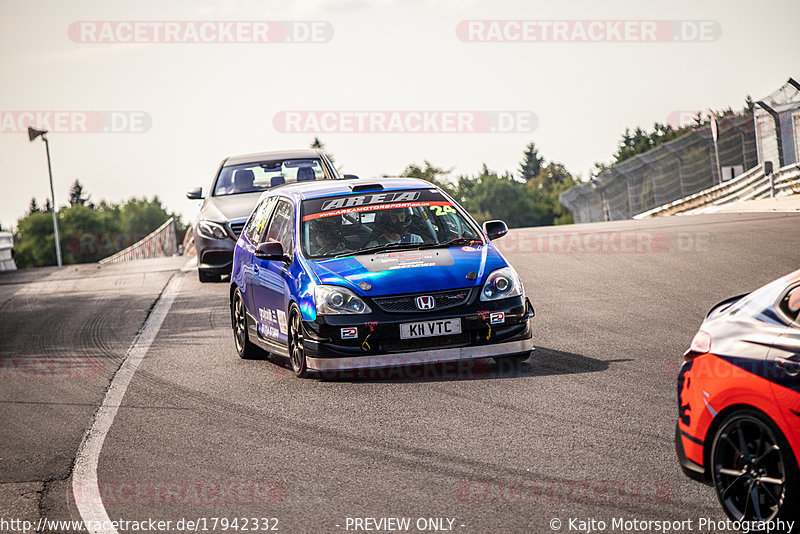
x,y
281,226
258,220
260,176
790,304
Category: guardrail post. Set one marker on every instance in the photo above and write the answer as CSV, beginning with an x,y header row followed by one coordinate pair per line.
x,y
771,175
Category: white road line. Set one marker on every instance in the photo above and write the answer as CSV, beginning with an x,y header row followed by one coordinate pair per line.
x,y
84,475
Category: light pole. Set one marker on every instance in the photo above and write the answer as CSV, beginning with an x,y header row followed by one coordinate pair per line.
x,y
715,138
33,134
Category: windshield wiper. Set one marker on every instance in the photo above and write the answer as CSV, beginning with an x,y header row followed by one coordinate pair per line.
x,y
457,242
381,248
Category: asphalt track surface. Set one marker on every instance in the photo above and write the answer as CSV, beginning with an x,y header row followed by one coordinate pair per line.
x,y
584,429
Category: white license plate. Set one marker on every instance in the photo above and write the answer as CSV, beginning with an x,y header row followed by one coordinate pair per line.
x,y
441,327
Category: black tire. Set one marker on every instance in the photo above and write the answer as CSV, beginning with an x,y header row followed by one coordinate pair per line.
x,y
753,469
297,353
514,358
241,337
207,277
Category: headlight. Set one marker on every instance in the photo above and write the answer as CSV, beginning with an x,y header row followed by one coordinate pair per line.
x,y
212,230
335,300
501,284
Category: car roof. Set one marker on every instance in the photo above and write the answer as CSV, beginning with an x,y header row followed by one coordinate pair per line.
x,y
278,154
300,191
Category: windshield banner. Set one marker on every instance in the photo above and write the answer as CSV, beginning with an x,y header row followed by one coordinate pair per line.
x,y
326,207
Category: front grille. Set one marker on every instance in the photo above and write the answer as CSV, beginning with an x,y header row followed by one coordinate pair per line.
x,y
422,343
237,228
407,303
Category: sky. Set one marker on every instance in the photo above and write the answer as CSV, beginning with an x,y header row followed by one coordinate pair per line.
x,y
155,113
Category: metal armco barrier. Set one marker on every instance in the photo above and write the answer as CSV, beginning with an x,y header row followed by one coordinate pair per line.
x,y
751,185
162,242
188,243
6,252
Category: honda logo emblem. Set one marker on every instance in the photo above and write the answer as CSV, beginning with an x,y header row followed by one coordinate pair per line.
x,y
426,303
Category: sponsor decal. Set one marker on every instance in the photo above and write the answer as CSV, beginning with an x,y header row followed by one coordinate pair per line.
x,y
497,318
389,261
373,207
266,316
282,321
361,200
267,331
349,332
268,324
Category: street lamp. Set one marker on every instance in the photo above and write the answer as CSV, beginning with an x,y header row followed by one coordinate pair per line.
x,y
33,134
715,138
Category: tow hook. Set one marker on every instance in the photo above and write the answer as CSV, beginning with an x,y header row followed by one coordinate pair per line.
x,y
528,309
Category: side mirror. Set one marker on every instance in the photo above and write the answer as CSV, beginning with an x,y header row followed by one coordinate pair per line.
x,y
350,177
195,193
495,229
271,250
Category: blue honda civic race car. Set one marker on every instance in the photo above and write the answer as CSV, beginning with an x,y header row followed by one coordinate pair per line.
x,y
373,273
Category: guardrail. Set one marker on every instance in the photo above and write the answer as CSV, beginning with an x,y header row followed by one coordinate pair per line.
x,y
7,262
188,243
161,242
749,185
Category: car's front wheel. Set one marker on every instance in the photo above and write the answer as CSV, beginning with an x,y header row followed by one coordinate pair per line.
x,y
241,337
753,469
297,352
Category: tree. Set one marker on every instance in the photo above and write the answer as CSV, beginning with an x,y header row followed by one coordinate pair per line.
x,y
34,245
142,215
48,207
33,207
435,175
640,141
76,197
531,162
87,233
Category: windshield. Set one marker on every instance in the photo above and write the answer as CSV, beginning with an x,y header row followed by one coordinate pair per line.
x,y
373,222
252,177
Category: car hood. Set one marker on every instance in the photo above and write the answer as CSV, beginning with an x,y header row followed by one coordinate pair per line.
x,y
227,207
410,271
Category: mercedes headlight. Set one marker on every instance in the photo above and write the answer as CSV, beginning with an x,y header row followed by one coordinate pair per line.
x,y
335,300
501,284
212,230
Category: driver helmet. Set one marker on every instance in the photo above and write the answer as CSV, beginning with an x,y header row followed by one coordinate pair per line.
x,y
394,218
